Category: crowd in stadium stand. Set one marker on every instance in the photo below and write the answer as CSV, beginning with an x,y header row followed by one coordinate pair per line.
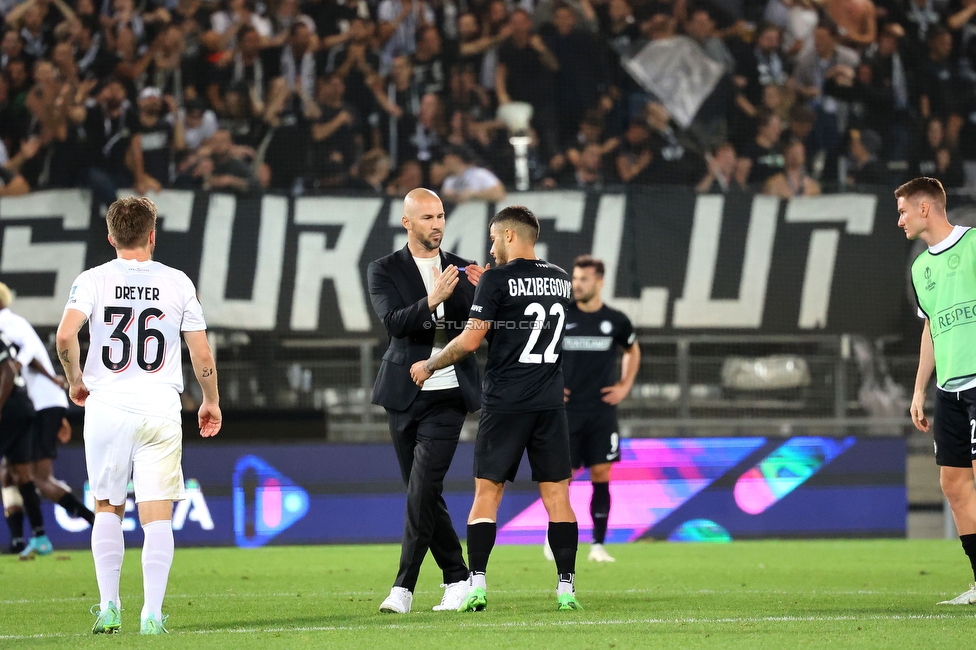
x,y
382,96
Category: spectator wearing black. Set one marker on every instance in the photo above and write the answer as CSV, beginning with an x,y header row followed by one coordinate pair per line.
x,y
478,46
158,138
356,60
399,98
225,171
18,80
583,77
720,177
334,134
620,35
427,133
11,47
938,84
371,173
431,64
298,65
525,73
674,160
757,67
800,124
866,169
761,158
586,173
918,18
634,154
247,66
110,122
934,156
327,16
886,94
94,59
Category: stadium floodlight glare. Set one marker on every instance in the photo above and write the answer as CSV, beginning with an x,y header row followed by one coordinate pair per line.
x,y
516,116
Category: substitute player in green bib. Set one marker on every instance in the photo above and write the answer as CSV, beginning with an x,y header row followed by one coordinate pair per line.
x,y
944,279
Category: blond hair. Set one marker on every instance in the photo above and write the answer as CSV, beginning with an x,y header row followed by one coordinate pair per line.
x,y
6,295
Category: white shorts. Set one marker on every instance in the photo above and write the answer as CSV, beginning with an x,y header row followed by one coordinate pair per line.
x,y
120,444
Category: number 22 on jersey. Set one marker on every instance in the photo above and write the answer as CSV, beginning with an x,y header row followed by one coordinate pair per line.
x,y
538,312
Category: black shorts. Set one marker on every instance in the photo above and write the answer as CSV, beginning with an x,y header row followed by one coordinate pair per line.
x,y
44,432
15,432
593,437
954,428
502,437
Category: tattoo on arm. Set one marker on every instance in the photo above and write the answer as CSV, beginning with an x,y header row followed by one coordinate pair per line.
x,y
63,355
207,372
446,357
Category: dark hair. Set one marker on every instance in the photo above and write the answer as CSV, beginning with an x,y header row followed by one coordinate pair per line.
x,y
590,262
930,187
90,23
724,145
829,25
525,222
130,220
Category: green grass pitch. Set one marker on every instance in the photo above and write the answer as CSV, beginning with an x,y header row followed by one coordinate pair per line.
x,y
772,594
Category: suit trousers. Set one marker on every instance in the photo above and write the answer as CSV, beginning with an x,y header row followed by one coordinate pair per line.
x,y
425,437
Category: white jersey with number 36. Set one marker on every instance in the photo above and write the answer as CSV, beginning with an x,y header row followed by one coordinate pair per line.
x,y
136,311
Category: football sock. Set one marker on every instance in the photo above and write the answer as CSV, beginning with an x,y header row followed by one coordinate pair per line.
x,y
15,522
481,539
969,546
157,558
564,539
600,511
76,508
108,547
32,507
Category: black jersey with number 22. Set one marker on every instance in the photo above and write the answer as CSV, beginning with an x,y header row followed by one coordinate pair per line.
x,y
525,301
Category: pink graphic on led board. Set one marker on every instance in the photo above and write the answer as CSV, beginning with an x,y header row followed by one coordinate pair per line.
x,y
653,478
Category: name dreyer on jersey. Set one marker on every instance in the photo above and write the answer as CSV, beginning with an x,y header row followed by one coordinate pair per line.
x,y
136,293
540,287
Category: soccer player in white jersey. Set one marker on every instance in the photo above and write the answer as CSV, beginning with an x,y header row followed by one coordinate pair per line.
x,y
46,391
133,377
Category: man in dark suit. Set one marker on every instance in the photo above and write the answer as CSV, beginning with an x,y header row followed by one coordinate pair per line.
x,y
423,300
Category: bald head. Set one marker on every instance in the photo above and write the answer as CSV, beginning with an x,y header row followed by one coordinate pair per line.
x,y
423,218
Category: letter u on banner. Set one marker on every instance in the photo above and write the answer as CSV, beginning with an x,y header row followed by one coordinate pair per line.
x,y
261,311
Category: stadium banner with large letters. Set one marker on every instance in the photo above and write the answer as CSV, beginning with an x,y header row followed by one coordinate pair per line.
x,y
677,261
677,489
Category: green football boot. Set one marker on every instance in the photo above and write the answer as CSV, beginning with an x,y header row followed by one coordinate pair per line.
x,y
151,626
476,601
567,602
109,620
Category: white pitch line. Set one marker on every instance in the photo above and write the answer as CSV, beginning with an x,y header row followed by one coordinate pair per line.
x,y
658,592
537,624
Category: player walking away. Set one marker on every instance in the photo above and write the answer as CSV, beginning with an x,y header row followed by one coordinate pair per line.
x,y
422,300
944,279
16,416
136,309
593,331
521,307
46,391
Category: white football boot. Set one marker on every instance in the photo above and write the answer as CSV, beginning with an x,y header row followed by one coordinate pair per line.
x,y
398,602
454,595
965,598
598,553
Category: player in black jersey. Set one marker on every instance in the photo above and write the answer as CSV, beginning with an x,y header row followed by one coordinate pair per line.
x,y
594,331
521,307
16,418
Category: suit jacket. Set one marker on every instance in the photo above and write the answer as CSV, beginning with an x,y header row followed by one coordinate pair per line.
x,y
399,299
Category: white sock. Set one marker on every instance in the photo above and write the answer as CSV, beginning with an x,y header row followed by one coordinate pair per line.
x,y
478,580
108,548
157,558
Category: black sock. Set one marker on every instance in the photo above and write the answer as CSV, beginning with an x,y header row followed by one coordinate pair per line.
x,y
32,507
76,508
481,539
600,511
15,522
564,539
969,546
